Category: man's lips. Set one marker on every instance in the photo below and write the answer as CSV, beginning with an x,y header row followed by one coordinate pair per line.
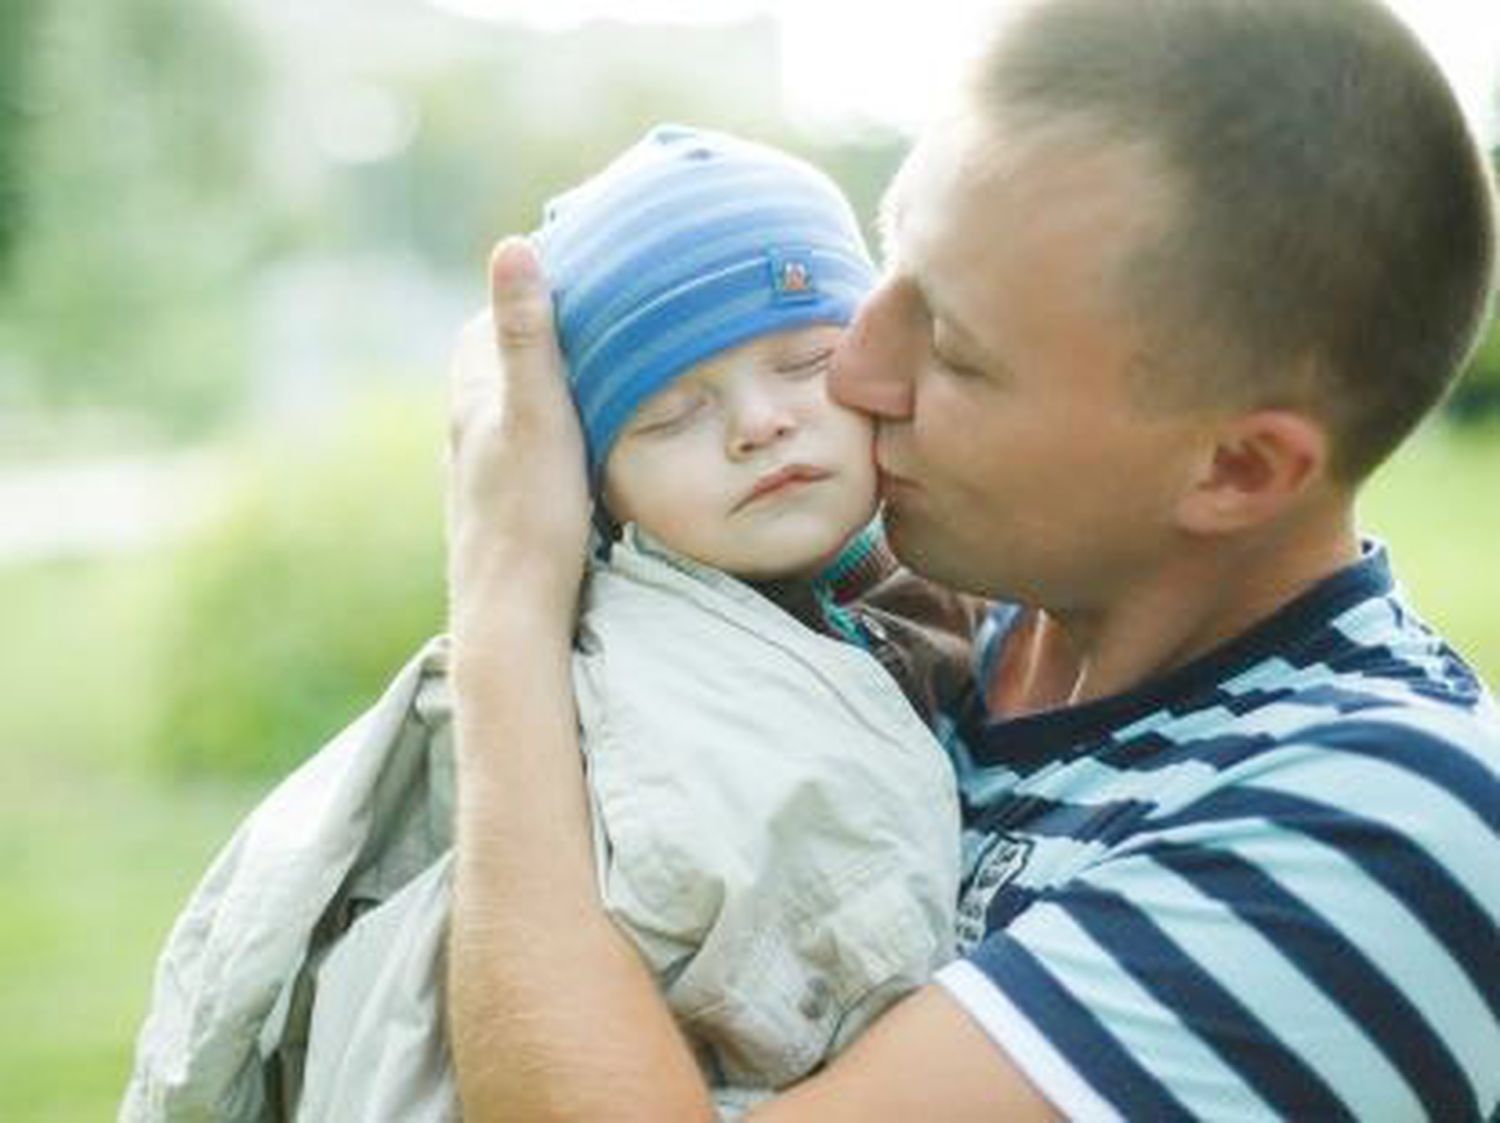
x,y
782,478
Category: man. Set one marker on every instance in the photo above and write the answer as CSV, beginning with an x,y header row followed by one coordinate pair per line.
x,y
1178,278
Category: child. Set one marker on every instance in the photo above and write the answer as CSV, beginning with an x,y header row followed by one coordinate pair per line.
x,y
775,825
701,283
695,256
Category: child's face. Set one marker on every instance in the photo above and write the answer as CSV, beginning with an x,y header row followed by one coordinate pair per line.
x,y
744,463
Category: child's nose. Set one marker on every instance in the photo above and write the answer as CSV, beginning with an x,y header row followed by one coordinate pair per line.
x,y
759,419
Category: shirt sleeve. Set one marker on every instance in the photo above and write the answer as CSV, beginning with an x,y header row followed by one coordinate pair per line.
x,y
1317,942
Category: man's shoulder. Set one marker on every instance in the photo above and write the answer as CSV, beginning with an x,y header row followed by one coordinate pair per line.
x,y
1377,680
1285,849
1375,694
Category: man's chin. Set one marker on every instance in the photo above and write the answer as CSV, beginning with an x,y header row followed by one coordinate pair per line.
x,y
925,551
911,542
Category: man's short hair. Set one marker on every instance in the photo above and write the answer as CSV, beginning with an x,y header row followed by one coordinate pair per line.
x,y
1333,237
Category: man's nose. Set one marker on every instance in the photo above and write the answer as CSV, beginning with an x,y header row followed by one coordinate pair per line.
x,y
873,363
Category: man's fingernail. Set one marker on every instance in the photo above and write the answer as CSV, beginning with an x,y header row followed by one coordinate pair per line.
x,y
513,267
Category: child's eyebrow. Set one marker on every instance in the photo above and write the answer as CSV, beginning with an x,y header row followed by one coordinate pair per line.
x,y
803,350
667,400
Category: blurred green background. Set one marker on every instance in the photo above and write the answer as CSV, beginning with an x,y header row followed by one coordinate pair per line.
x,y
235,244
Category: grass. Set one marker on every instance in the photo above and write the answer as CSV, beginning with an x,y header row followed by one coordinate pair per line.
x,y
98,851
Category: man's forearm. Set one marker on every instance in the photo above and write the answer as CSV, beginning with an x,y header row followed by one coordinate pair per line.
x,y
553,1016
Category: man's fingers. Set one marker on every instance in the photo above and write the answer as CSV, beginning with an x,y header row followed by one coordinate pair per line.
x,y
474,376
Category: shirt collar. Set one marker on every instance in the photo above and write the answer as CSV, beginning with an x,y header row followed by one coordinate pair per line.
x,y
1032,740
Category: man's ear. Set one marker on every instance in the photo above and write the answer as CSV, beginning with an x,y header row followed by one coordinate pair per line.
x,y
1256,466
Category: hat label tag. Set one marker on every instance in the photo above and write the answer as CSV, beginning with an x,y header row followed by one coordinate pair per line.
x,y
792,277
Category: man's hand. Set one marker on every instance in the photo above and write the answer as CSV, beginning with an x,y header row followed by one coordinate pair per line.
x,y
518,502
552,1015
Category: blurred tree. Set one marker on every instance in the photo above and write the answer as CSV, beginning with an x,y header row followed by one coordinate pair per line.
x,y
18,21
136,167
863,165
522,115
1476,398
168,161
319,573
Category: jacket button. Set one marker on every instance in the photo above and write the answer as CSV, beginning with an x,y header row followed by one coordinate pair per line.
x,y
815,999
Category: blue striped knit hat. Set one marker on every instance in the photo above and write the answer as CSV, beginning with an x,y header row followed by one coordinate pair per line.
x,y
689,243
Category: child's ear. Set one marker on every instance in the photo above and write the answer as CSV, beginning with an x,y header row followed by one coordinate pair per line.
x,y
1256,466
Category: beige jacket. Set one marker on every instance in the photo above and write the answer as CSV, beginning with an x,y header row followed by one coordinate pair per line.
x,y
774,827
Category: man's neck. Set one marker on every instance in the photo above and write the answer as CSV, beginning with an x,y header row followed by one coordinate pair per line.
x,y
1199,601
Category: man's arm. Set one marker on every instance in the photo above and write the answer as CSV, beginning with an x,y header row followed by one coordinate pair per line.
x,y
924,1059
552,1015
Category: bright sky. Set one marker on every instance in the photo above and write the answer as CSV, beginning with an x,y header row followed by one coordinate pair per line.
x,y
890,62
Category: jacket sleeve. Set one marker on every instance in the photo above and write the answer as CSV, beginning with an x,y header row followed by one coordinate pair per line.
x,y
376,1046
224,977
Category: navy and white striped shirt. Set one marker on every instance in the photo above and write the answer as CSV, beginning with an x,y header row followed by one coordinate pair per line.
x,y
1266,886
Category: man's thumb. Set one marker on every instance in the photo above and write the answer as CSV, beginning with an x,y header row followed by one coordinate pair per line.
x,y
521,302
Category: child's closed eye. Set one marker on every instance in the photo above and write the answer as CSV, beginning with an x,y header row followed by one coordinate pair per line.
x,y
669,415
806,366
